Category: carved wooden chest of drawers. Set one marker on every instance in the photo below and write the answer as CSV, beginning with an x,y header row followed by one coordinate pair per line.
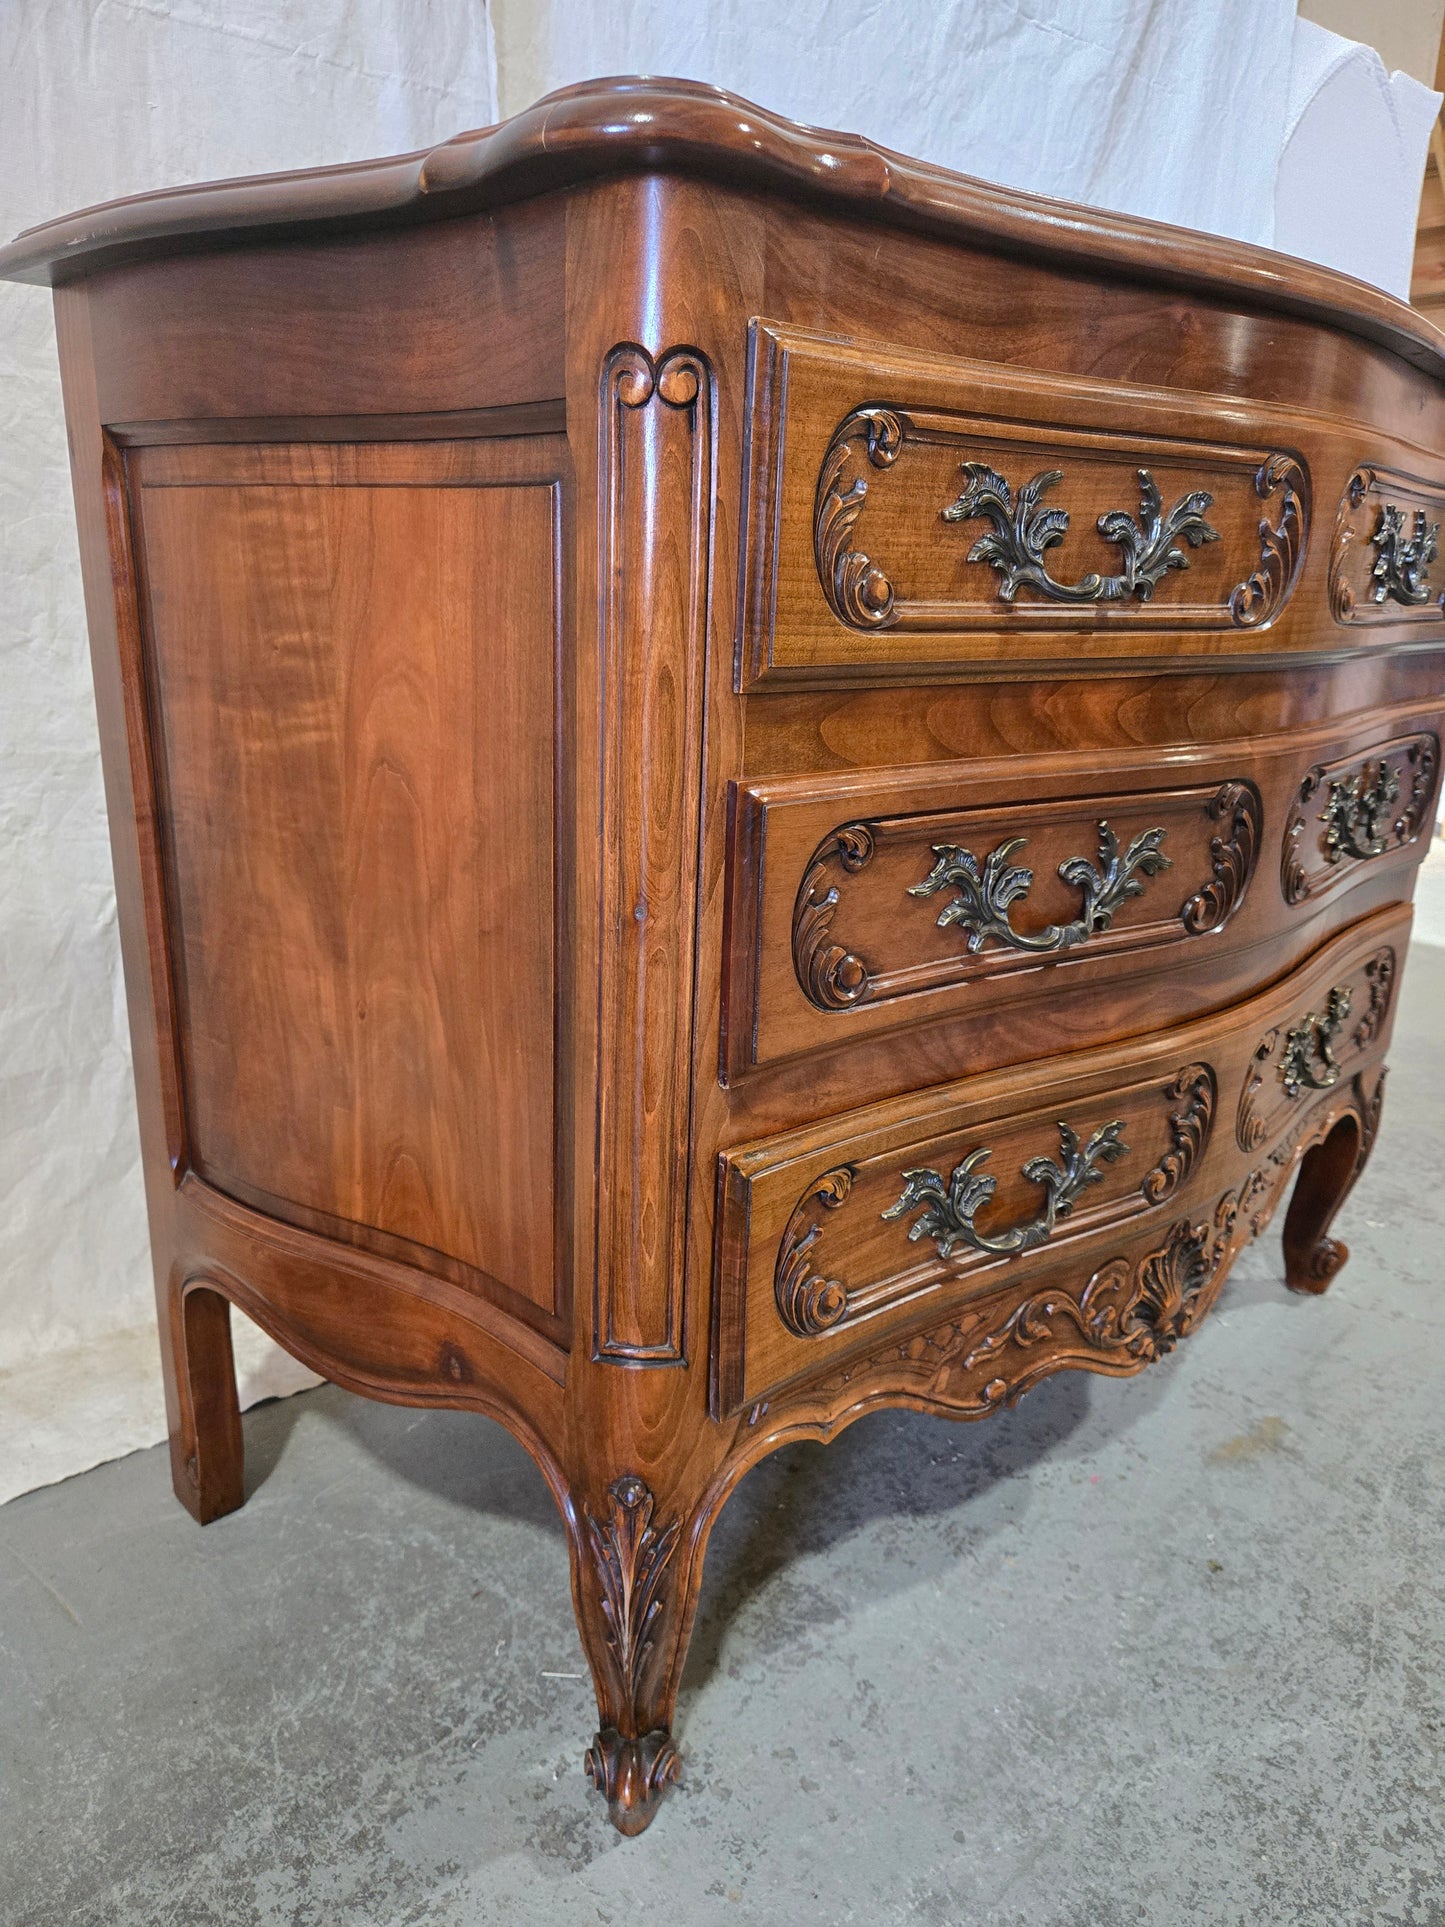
x,y
748,781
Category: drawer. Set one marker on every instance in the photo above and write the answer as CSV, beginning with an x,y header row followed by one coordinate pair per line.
x,y
913,514
841,1236
884,899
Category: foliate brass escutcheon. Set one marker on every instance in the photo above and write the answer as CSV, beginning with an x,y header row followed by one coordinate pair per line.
x,y
1023,531
1390,514
947,1211
1309,1062
983,893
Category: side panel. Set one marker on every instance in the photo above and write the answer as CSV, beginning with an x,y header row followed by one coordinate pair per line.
x,y
351,653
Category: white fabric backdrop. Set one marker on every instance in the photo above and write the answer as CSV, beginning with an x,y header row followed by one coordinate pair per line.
x,y
98,98
1155,107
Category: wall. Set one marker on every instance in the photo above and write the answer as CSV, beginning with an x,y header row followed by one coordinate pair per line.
x,y
1405,33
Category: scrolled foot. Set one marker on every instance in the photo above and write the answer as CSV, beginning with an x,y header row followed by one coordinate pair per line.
x,y
632,1775
1313,1269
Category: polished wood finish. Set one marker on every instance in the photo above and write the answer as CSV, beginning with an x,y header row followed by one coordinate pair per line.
x,y
666,895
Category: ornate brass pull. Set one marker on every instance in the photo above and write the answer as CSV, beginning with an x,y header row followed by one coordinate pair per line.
x,y
1023,532
1401,565
1358,816
1309,1062
948,1210
983,895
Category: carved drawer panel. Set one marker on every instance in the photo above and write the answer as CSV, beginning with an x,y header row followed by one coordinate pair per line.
x,y
879,900
1384,558
898,911
911,510
834,1238
1356,808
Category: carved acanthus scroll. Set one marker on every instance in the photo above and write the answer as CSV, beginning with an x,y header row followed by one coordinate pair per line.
x,y
631,1556
856,588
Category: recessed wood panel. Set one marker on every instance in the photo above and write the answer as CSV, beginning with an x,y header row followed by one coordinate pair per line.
x,y
352,657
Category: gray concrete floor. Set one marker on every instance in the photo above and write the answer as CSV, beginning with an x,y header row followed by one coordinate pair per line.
x,y
1164,1651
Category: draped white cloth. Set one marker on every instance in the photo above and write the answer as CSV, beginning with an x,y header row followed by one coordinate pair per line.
x,y
1155,107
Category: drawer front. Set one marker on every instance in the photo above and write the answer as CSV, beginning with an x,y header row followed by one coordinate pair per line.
x,y
915,513
882,900
838,1237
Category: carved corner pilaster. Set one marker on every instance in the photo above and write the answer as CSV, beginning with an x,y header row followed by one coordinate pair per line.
x,y
656,455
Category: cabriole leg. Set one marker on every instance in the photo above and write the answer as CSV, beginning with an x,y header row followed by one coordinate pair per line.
x,y
1327,1172
636,1567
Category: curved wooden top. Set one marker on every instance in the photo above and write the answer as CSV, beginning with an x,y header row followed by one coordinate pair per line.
x,y
637,125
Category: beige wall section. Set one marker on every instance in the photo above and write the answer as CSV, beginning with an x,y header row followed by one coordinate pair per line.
x,y
1405,33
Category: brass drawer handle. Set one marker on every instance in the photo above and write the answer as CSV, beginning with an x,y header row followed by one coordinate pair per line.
x,y
981,905
1401,570
1309,1062
1359,813
948,1210
1023,532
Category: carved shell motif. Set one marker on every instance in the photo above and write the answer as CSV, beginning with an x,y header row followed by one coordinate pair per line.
x,y
1193,1091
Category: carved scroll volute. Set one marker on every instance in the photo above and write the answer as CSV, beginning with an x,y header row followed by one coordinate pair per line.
x,y
1232,855
832,976
1192,1092
857,591
1259,598
808,1302
655,450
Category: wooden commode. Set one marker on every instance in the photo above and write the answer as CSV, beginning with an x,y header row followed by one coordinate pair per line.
x,y
748,780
